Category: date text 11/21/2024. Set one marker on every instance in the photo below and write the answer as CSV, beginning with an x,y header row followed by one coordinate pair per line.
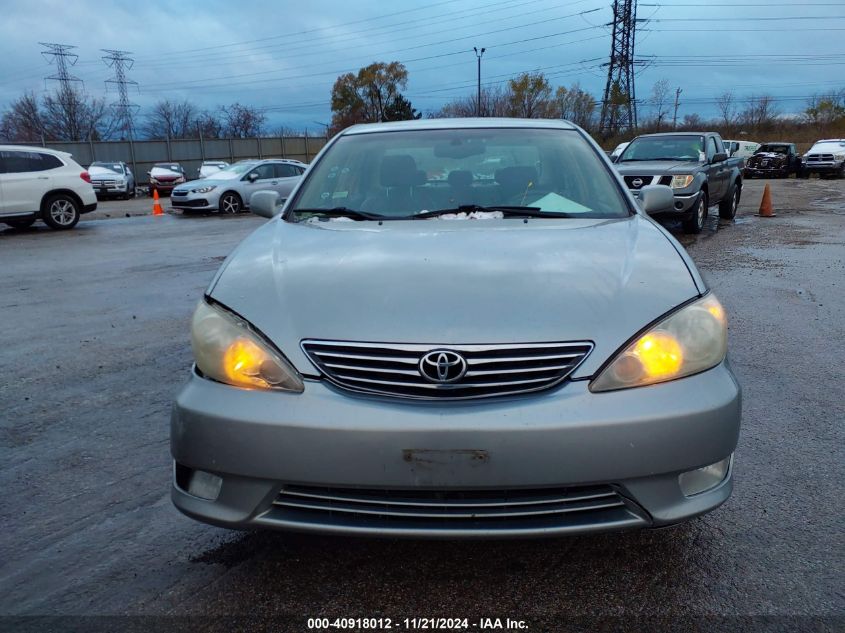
x,y
431,624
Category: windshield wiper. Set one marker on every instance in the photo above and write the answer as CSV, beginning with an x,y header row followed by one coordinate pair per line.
x,y
343,212
507,211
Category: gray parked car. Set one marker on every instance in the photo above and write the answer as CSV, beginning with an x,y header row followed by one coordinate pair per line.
x,y
230,189
404,354
112,179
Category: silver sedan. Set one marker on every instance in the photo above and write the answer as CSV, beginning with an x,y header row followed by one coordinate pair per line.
x,y
409,349
230,189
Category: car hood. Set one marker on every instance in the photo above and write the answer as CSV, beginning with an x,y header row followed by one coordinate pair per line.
x,y
205,182
455,282
654,167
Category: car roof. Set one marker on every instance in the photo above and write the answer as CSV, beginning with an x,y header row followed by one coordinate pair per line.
x,y
450,124
777,143
33,148
675,134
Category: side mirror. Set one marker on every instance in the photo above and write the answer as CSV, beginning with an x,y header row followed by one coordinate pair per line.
x,y
656,198
614,158
265,203
719,157
252,176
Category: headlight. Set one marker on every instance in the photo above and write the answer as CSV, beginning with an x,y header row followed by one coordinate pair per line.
x,y
839,156
691,340
228,350
679,182
204,189
180,179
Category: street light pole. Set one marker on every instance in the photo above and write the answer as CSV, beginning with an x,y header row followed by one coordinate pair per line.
x,y
478,55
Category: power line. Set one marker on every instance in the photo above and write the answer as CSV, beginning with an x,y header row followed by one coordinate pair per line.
x,y
124,109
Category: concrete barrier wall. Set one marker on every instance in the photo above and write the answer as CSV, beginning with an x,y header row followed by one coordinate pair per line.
x,y
141,155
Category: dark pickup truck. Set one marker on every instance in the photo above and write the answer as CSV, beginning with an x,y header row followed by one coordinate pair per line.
x,y
696,167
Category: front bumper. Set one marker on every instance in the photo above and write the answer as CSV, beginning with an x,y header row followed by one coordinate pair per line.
x,y
165,187
765,171
632,442
826,167
110,190
199,201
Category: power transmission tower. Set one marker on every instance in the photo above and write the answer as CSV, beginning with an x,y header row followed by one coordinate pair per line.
x,y
58,54
124,109
619,106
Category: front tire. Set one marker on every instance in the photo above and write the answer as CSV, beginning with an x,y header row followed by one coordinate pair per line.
x,y
60,212
22,223
728,206
230,203
695,222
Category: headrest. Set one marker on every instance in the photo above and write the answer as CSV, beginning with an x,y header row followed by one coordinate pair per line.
x,y
400,171
516,177
460,178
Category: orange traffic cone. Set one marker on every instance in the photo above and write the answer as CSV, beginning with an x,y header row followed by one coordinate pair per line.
x,y
157,210
766,210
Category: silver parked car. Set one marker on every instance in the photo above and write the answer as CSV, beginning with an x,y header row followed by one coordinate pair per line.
x,y
210,167
230,189
112,179
404,354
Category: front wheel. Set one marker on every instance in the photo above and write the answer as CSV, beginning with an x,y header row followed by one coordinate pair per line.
x,y
60,212
728,206
695,222
230,203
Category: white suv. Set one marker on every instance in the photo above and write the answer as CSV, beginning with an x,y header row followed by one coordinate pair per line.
x,y
42,183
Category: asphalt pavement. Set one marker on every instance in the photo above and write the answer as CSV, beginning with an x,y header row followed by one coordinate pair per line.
x,y
94,331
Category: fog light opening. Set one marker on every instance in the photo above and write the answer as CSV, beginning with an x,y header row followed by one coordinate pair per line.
x,y
197,483
703,479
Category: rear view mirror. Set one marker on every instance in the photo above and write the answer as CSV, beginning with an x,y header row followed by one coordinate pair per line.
x,y
458,148
656,198
719,157
265,203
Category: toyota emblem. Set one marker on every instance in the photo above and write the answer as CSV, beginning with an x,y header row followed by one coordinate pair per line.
x,y
443,366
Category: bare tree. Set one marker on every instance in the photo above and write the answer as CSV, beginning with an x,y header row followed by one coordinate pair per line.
x,y
70,115
659,100
726,103
22,123
172,119
494,102
241,121
209,125
760,113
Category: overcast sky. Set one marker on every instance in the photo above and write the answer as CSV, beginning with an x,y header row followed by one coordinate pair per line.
x,y
285,56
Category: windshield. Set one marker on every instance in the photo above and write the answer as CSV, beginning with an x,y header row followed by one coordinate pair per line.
x,y
772,149
677,148
103,168
404,174
168,166
233,171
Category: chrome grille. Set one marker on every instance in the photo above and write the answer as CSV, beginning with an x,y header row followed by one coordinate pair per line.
x,y
491,370
461,509
818,158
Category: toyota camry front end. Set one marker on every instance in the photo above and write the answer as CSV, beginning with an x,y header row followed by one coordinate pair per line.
x,y
423,345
